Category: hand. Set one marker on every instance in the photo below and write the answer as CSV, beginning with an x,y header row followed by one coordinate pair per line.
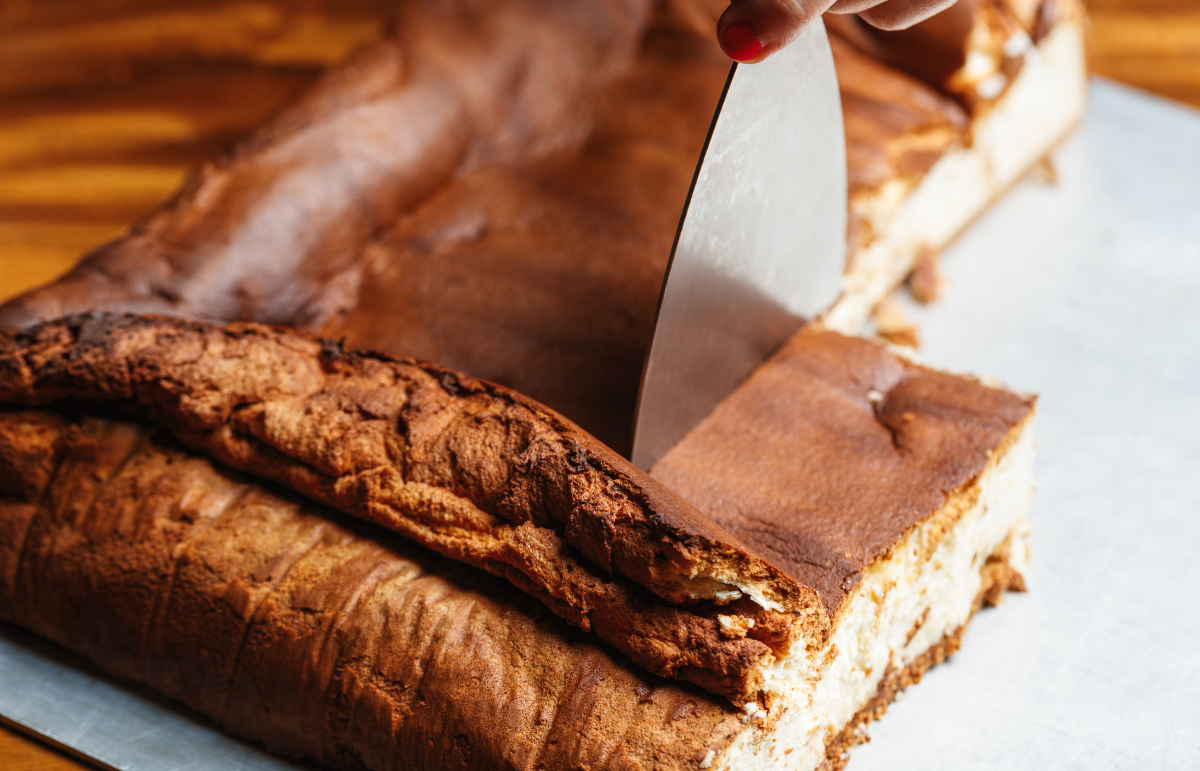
x,y
752,30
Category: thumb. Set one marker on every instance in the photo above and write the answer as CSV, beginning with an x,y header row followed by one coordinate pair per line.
x,y
752,30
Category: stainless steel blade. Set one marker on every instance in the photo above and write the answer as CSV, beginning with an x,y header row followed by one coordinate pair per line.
x,y
761,243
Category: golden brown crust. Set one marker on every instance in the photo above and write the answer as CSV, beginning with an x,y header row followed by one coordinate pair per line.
x,y
319,637
472,470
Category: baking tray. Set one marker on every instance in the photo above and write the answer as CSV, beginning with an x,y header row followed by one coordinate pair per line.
x,y
1086,292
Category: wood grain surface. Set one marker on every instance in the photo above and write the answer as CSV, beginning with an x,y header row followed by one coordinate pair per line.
x,y
106,104
19,753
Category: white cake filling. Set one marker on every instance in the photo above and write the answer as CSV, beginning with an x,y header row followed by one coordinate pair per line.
x,y
1042,105
902,607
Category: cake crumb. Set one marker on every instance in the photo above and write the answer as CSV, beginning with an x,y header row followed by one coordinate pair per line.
x,y
874,397
893,325
734,627
1043,171
926,282
752,712
708,759
1018,44
992,86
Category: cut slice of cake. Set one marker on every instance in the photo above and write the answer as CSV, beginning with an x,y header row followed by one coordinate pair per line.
x,y
896,491
925,175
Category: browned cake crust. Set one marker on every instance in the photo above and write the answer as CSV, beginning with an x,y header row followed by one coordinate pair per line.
x,y
544,275
896,126
473,470
834,449
540,273
936,50
321,638
273,230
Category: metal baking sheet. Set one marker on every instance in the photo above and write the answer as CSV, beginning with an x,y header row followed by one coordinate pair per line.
x,y
63,702
1087,292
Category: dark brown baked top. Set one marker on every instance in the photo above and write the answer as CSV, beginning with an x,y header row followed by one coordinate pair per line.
x,y
833,450
470,469
273,230
544,275
319,637
539,271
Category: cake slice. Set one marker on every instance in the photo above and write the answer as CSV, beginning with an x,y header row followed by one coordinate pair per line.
x,y
1016,71
897,491
334,641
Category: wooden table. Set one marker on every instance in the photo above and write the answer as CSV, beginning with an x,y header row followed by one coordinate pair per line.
x,y
105,105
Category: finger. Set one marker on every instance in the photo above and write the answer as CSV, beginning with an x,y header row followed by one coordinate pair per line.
x,y
853,6
901,14
752,30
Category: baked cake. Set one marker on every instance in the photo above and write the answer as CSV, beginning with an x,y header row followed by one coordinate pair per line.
x,y
507,211
333,641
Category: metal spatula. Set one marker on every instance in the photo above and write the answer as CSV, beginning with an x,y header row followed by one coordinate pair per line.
x,y
761,243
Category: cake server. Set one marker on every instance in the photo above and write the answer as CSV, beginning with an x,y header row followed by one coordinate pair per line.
x,y
761,242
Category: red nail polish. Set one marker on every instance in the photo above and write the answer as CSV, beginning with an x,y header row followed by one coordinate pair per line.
x,y
740,42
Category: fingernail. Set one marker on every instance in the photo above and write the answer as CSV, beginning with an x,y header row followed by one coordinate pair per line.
x,y
740,42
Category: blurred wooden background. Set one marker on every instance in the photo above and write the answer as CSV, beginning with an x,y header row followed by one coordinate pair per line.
x,y
106,104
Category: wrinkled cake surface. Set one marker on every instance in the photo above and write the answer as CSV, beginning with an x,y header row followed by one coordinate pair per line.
x,y
320,637
475,471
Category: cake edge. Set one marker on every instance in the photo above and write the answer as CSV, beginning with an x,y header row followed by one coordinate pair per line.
x,y
975,176
821,737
